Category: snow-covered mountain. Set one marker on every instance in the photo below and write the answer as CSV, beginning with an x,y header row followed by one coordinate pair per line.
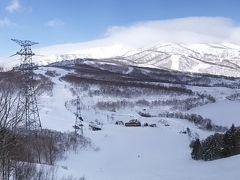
x,y
199,58
179,106
219,59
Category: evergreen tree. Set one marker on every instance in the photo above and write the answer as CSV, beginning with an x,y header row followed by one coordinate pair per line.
x,y
197,150
212,147
209,126
229,142
218,145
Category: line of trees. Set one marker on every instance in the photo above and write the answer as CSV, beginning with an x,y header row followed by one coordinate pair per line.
x,y
175,104
128,84
203,123
116,73
217,146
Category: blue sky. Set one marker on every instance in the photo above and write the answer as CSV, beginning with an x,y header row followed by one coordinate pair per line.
x,y
59,21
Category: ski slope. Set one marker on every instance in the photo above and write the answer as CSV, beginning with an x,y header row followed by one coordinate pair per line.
x,y
145,153
53,112
121,153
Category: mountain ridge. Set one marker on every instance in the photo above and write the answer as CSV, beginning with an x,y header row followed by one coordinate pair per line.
x,y
218,59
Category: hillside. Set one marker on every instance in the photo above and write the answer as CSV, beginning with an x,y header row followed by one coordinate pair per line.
x,y
111,93
217,59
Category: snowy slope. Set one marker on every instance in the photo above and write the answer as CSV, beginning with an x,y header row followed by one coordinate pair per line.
x,y
223,112
220,59
202,58
54,114
140,153
153,154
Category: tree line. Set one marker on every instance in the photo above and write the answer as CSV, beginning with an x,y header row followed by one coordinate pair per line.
x,y
198,120
217,146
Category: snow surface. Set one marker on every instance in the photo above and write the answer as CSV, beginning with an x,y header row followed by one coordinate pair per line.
x,y
121,153
53,112
175,62
145,153
223,112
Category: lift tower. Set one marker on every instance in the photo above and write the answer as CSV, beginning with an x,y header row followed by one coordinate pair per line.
x,y
78,121
31,114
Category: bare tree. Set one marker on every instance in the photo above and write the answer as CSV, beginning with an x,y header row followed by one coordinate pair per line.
x,y
11,112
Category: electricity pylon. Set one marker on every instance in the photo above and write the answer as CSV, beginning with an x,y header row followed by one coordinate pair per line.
x,y
31,116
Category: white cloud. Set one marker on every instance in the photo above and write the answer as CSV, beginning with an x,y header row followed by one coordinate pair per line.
x,y
16,6
120,39
184,30
5,22
13,6
55,23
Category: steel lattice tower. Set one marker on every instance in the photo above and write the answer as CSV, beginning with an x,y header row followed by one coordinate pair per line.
x,y
31,115
78,121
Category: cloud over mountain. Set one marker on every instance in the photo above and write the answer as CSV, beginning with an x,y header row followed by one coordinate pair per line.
x,y
119,39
